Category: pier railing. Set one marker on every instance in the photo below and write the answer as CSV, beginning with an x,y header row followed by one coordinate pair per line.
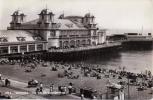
x,y
106,45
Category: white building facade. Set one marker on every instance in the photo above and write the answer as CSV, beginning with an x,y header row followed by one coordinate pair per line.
x,y
62,32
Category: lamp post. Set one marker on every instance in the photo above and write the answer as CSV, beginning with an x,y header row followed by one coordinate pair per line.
x,y
128,77
22,56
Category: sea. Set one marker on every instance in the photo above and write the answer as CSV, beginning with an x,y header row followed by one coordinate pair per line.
x,y
137,61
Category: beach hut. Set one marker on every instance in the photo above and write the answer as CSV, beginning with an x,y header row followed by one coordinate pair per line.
x,y
114,91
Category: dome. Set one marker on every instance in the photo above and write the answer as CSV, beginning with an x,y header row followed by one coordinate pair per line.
x,y
18,12
46,11
89,15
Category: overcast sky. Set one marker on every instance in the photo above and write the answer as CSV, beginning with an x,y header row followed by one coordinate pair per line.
x,y
124,14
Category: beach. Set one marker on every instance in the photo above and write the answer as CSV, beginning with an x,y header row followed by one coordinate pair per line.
x,y
47,76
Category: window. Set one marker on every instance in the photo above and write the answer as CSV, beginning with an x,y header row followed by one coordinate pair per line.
x,y
3,39
3,50
14,49
40,47
20,38
149,33
102,34
23,48
86,19
94,33
60,43
52,33
42,17
63,36
37,38
31,48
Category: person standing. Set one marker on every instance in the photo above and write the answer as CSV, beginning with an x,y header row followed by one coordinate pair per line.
x,y
82,97
41,87
70,88
65,90
0,77
7,82
51,88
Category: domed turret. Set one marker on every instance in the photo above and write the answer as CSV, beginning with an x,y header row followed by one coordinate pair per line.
x,y
88,15
46,12
89,20
17,13
17,18
46,17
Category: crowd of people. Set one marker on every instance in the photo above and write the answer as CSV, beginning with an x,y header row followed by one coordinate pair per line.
x,y
142,80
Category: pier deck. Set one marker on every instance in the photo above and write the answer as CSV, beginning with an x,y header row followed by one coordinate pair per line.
x,y
107,45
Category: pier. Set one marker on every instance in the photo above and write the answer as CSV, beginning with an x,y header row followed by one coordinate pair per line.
x,y
82,52
80,49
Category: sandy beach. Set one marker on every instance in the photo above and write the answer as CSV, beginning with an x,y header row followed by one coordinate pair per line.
x,y
47,77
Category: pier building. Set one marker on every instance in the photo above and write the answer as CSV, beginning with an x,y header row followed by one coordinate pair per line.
x,y
49,31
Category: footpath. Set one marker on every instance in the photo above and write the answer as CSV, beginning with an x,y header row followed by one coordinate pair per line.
x,y
19,90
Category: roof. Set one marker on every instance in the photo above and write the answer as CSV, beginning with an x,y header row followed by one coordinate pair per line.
x,y
32,21
68,24
13,35
74,16
18,12
46,11
61,23
89,15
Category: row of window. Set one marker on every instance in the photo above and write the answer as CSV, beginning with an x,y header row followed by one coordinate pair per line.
x,y
22,48
74,32
78,43
75,43
5,39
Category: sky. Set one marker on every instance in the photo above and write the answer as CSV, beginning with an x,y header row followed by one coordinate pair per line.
x,y
110,14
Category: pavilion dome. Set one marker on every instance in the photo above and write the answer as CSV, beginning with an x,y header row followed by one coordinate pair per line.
x,y
46,11
18,12
89,15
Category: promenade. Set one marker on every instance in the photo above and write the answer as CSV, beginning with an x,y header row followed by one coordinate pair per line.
x,y
19,90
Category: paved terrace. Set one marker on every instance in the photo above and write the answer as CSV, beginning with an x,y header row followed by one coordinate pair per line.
x,y
107,45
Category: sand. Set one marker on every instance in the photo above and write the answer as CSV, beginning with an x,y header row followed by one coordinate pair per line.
x,y
18,73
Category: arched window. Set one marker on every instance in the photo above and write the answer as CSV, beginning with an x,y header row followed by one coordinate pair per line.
x,y
72,43
89,42
78,43
65,44
83,42
60,44
94,43
3,39
21,38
